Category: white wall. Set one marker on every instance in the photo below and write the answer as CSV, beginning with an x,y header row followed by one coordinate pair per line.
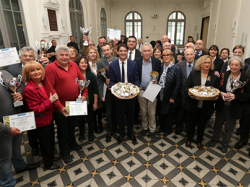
x,y
191,10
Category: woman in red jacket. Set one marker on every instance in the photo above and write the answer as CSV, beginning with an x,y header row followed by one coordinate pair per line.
x,y
37,100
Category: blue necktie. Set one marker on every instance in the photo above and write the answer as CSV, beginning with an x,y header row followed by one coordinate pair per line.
x,y
123,72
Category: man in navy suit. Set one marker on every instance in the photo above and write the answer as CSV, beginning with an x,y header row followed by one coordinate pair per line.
x,y
124,70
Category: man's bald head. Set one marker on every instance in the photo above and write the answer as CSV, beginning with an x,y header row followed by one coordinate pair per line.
x,y
166,45
164,38
199,45
189,55
189,45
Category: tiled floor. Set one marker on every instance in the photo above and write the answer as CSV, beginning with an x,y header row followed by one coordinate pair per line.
x,y
164,162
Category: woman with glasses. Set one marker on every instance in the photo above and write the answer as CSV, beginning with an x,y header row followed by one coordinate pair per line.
x,y
170,81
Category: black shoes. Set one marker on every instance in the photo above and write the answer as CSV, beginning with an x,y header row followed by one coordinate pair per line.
x,y
132,137
91,138
212,143
68,160
108,137
77,147
29,167
144,133
153,136
178,131
120,139
35,152
81,138
54,167
238,131
239,145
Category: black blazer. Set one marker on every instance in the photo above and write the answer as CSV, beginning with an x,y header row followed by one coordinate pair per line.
x,y
92,88
137,54
156,66
194,79
218,64
241,95
247,60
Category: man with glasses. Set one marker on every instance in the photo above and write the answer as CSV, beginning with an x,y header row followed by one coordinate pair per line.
x,y
133,53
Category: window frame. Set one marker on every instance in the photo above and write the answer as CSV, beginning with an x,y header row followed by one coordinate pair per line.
x,y
133,21
176,21
103,19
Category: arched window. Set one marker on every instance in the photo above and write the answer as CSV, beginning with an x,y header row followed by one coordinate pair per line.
x,y
76,20
133,24
103,22
176,27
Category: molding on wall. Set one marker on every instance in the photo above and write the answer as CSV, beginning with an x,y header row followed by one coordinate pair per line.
x,y
51,4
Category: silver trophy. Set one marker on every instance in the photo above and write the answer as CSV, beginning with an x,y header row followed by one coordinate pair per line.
x,y
235,84
12,84
85,31
82,85
154,76
43,47
104,72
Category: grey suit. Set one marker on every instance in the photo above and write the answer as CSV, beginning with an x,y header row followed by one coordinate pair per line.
x,y
102,63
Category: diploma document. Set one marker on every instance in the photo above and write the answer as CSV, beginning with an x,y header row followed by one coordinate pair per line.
x,y
24,121
152,91
76,108
113,33
8,57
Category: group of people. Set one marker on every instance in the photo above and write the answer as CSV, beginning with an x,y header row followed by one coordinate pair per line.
x,y
46,86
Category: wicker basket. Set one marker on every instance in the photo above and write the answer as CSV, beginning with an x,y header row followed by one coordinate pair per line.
x,y
121,97
201,98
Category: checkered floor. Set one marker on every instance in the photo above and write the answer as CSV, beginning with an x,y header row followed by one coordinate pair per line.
x,y
164,162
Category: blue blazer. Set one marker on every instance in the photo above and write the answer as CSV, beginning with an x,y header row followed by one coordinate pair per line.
x,y
132,72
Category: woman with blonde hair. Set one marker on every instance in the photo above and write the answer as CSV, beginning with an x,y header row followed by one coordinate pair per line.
x,y
73,53
38,99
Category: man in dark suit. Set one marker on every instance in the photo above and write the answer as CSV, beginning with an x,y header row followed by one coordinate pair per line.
x,y
247,60
124,70
101,42
133,53
186,66
109,97
73,44
199,49
187,45
146,64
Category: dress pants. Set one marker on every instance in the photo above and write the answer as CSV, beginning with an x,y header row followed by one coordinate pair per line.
x,y
245,127
221,117
90,119
32,136
46,137
196,119
10,154
111,116
65,133
166,122
148,109
125,107
180,117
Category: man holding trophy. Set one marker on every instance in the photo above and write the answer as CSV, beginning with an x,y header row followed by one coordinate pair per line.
x,y
103,78
85,32
61,79
147,64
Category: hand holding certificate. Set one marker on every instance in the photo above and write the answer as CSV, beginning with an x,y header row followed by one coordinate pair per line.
x,y
23,121
8,57
76,108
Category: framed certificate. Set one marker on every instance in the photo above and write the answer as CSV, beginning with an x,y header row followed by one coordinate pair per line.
x,y
24,121
8,56
114,33
76,108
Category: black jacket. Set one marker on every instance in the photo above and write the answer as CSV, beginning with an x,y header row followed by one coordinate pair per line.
x,y
218,63
194,79
241,95
73,44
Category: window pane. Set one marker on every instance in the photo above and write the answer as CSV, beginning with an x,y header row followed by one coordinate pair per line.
x,y
71,4
1,41
137,29
19,27
15,5
137,16
171,31
129,16
180,33
129,30
6,4
180,16
78,5
172,16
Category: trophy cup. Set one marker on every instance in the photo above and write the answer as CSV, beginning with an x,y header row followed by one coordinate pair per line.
x,y
13,83
104,72
81,84
154,76
43,47
85,31
235,84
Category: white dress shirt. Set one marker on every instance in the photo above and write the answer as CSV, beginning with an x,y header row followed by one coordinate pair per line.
x,y
125,69
132,54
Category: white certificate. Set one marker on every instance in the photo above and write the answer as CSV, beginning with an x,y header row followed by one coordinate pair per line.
x,y
8,57
114,33
152,91
76,108
24,121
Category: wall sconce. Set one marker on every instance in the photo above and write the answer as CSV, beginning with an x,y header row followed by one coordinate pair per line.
x,y
214,26
233,23
45,19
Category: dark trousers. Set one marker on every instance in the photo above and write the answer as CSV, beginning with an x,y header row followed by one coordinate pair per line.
x,y
32,136
90,119
245,127
125,107
180,117
137,110
194,119
46,137
98,114
221,117
166,122
110,111
65,133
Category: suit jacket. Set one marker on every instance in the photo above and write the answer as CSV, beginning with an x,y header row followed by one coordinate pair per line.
x,y
218,64
156,66
38,101
132,73
247,61
15,70
92,88
183,66
194,79
242,95
102,63
202,54
137,54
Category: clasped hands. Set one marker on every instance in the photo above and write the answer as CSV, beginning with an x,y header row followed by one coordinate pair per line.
x,y
227,96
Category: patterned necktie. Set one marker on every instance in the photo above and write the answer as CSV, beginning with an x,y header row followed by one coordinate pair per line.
x,y
123,72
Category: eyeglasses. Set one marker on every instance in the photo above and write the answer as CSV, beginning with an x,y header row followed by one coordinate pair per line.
x,y
30,56
167,55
